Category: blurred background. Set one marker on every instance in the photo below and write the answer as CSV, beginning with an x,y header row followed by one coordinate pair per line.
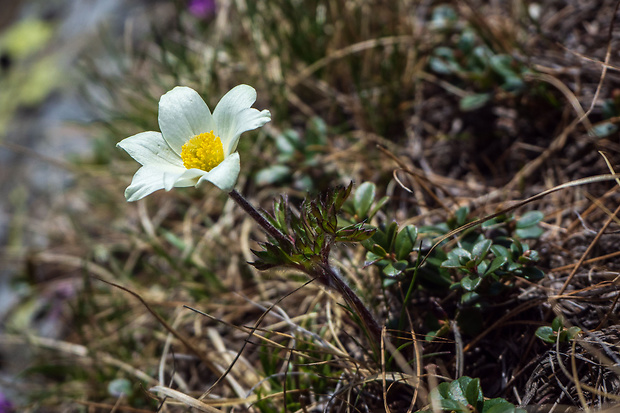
x,y
44,113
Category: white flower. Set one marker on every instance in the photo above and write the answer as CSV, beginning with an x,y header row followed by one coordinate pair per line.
x,y
194,145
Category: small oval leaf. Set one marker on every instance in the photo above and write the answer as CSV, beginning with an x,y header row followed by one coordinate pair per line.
x,y
363,199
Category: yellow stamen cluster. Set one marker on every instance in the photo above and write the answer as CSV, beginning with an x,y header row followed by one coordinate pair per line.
x,y
204,151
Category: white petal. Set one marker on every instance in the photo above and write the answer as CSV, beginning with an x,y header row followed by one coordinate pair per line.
x,y
182,115
246,120
183,182
150,148
145,181
233,116
151,178
181,178
225,175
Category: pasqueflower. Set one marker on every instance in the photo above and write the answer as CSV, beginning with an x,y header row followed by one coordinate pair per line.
x,y
194,146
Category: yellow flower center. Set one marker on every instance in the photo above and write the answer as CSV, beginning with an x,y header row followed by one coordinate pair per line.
x,y
204,151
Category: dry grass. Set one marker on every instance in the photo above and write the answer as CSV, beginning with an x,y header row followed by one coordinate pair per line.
x,y
160,293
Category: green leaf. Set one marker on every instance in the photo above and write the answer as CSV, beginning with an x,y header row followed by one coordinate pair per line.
x,y
119,387
442,390
405,240
495,264
482,54
502,64
448,398
379,251
474,101
513,84
355,233
499,405
380,237
394,269
363,199
480,249
514,268
470,283
459,253
443,17
530,232
461,215
572,332
546,334
557,324
441,66
390,235
281,212
287,144
467,41
458,388
532,273
603,130
271,175
470,298
453,406
529,219
430,336
490,223
378,205
501,251
474,395
517,248
451,263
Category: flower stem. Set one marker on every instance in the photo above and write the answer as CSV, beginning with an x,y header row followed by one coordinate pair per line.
x,y
332,280
259,218
322,271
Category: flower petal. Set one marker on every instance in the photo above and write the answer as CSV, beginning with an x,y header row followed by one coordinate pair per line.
x,y
181,178
233,116
247,120
145,181
150,148
182,115
225,175
151,178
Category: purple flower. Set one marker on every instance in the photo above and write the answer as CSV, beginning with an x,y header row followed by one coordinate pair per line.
x,y
202,8
5,405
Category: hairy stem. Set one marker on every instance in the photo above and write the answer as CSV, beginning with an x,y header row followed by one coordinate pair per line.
x,y
259,218
332,280
322,272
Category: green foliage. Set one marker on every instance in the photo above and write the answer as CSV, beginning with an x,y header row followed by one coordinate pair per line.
x,y
119,387
483,265
474,62
557,332
298,157
361,208
483,262
389,249
312,232
486,268
464,395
